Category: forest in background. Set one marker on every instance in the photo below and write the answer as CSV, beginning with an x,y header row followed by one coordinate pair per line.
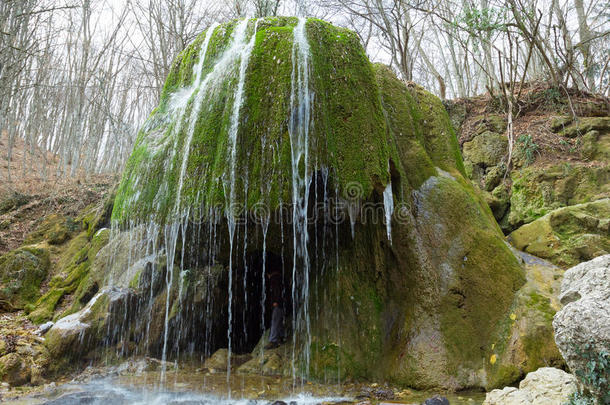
x,y
78,78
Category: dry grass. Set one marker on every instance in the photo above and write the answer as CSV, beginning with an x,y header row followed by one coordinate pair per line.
x,y
41,195
538,105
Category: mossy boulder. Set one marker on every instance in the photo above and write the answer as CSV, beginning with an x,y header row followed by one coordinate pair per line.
x,y
537,190
530,342
347,103
74,337
14,369
54,229
490,122
423,309
580,126
21,273
12,202
595,145
487,149
569,235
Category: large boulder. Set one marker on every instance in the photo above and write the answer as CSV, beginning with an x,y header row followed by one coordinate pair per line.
x,y
419,301
75,336
21,273
548,386
582,326
530,343
568,235
538,190
487,149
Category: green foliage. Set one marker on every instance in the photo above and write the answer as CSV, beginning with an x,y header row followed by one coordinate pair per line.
x,y
552,97
478,21
528,146
484,19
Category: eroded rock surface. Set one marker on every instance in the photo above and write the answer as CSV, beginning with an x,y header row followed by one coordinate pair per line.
x,y
582,327
548,386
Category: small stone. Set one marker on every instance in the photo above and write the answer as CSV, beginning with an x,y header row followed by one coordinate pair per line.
x,y
436,400
44,328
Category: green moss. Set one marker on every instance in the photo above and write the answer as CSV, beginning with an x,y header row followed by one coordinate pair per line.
x,y
12,202
21,273
583,125
440,139
344,106
135,281
44,308
349,121
541,304
538,190
506,375
55,229
405,133
73,278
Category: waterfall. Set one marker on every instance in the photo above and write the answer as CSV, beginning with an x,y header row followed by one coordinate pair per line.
x,y
388,205
298,128
225,77
246,50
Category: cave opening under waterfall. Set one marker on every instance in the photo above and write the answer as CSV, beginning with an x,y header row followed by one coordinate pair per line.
x,y
199,317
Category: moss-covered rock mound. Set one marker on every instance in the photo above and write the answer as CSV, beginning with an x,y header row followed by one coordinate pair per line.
x,y
21,273
257,115
569,235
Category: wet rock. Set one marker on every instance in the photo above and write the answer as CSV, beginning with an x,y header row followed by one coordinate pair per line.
x,y
21,273
219,360
582,327
549,386
14,369
379,393
82,398
436,400
78,333
278,403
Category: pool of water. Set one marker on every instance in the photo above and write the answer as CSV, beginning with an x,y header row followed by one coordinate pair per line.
x,y
123,385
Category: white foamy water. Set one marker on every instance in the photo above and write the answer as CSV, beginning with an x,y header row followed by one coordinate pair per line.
x,y
104,392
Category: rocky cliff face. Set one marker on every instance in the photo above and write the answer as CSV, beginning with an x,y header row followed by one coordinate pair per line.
x,y
552,197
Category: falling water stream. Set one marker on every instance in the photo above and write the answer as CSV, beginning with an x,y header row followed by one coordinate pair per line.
x,y
298,128
170,241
